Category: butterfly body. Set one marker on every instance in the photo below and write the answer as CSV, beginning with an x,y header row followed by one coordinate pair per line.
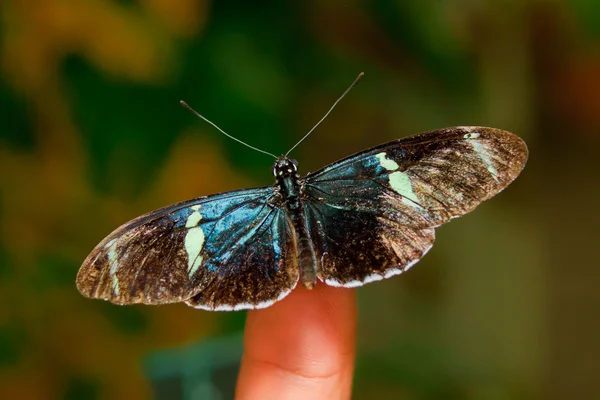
x,y
289,186
361,219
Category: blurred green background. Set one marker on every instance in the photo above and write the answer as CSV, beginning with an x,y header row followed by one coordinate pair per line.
x,y
91,135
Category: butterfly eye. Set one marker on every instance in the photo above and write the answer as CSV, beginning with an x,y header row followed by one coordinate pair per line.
x,y
295,163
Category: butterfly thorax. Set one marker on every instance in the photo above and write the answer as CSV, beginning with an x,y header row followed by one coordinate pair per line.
x,y
285,171
287,179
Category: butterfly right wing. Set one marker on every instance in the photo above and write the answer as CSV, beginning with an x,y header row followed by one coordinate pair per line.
x,y
228,251
373,214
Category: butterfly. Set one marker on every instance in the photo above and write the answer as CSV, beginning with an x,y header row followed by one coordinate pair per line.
x,y
362,219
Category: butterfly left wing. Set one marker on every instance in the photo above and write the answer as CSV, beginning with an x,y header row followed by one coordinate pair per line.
x,y
222,252
372,215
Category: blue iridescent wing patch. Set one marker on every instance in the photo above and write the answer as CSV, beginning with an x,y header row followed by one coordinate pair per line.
x,y
232,248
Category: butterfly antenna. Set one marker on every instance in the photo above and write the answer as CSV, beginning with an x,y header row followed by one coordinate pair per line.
x,y
327,113
197,114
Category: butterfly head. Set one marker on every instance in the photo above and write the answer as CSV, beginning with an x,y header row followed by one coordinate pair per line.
x,y
284,166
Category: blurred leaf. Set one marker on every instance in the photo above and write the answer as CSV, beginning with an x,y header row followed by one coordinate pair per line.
x,y
424,33
130,320
128,128
588,12
5,263
236,77
131,3
12,340
428,371
231,323
17,130
55,270
83,388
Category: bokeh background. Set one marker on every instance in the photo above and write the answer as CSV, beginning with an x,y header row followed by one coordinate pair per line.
x,y
91,135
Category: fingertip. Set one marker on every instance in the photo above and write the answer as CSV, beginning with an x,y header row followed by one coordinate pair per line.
x,y
303,343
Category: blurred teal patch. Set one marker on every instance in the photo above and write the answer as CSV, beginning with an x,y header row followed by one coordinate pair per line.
x,y
12,341
82,388
129,320
17,128
206,370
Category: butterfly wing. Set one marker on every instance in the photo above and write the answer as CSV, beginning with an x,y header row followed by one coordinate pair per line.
x,y
357,247
222,252
372,215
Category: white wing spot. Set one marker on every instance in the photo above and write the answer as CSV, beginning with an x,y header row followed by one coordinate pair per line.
x,y
115,284
113,262
372,278
264,304
391,272
473,135
410,264
194,242
194,218
386,163
110,243
201,307
333,282
243,306
284,293
400,183
350,284
224,307
484,154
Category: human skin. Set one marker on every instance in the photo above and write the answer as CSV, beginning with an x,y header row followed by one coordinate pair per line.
x,y
300,348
